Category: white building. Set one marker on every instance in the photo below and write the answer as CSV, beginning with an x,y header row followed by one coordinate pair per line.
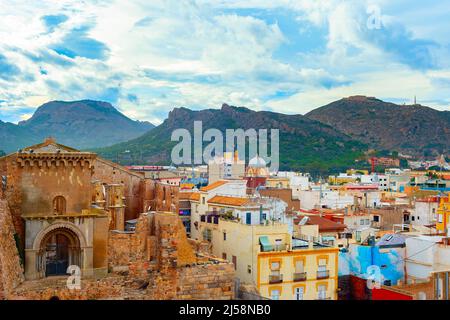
x,y
298,181
227,167
199,200
424,255
425,211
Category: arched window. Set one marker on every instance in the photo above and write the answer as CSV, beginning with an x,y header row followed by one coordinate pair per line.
x,y
59,205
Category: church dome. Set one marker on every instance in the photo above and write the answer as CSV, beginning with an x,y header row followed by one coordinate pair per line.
x,y
257,162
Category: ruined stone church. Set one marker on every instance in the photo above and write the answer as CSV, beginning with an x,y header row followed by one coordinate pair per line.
x,y
62,207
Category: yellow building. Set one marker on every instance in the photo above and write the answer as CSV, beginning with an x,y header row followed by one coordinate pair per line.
x,y
443,215
282,183
267,257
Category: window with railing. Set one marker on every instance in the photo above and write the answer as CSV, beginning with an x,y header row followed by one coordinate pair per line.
x,y
275,274
322,272
299,274
322,292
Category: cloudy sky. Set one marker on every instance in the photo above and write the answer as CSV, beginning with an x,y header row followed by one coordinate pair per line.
x,y
146,57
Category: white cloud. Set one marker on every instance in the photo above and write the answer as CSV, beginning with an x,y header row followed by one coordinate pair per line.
x,y
195,54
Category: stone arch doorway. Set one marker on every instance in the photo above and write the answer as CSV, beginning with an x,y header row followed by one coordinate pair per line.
x,y
59,249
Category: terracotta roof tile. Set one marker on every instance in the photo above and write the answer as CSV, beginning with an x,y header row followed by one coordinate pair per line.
x,y
213,185
195,196
229,201
323,223
184,195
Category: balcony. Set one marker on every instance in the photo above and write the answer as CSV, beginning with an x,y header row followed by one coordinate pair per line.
x,y
323,274
214,219
275,278
300,276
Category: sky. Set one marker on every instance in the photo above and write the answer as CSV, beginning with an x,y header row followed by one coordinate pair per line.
x,y
147,57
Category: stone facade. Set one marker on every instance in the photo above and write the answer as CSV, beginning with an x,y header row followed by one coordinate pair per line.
x,y
11,271
156,262
62,207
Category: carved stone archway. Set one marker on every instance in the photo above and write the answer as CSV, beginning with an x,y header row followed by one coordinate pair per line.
x,y
73,250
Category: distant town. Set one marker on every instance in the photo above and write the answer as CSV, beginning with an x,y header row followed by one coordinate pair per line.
x,y
76,226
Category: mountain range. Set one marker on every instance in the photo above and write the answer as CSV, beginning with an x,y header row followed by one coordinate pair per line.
x,y
329,138
80,124
304,143
411,129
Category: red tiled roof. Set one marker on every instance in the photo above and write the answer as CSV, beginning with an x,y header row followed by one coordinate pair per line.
x,y
195,196
229,201
323,223
213,185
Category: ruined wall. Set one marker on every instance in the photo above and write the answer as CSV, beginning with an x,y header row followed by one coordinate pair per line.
x,y
91,289
13,194
206,282
11,271
160,252
160,197
111,173
128,251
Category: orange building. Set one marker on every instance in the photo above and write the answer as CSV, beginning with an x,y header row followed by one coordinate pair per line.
x,y
443,215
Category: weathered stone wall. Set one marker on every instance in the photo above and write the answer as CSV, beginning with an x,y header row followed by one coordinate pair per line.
x,y
111,173
210,281
11,271
13,194
160,252
160,197
127,250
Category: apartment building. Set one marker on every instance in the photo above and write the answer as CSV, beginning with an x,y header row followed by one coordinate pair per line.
x,y
267,257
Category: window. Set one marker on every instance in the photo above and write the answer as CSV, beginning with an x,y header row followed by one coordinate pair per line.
x,y
234,260
440,218
322,292
322,265
376,218
361,222
224,236
275,294
275,266
367,222
412,218
298,293
249,269
207,235
299,267
224,256
59,205
203,200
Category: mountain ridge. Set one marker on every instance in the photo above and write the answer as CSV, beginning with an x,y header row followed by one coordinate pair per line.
x,y
73,123
413,129
298,135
